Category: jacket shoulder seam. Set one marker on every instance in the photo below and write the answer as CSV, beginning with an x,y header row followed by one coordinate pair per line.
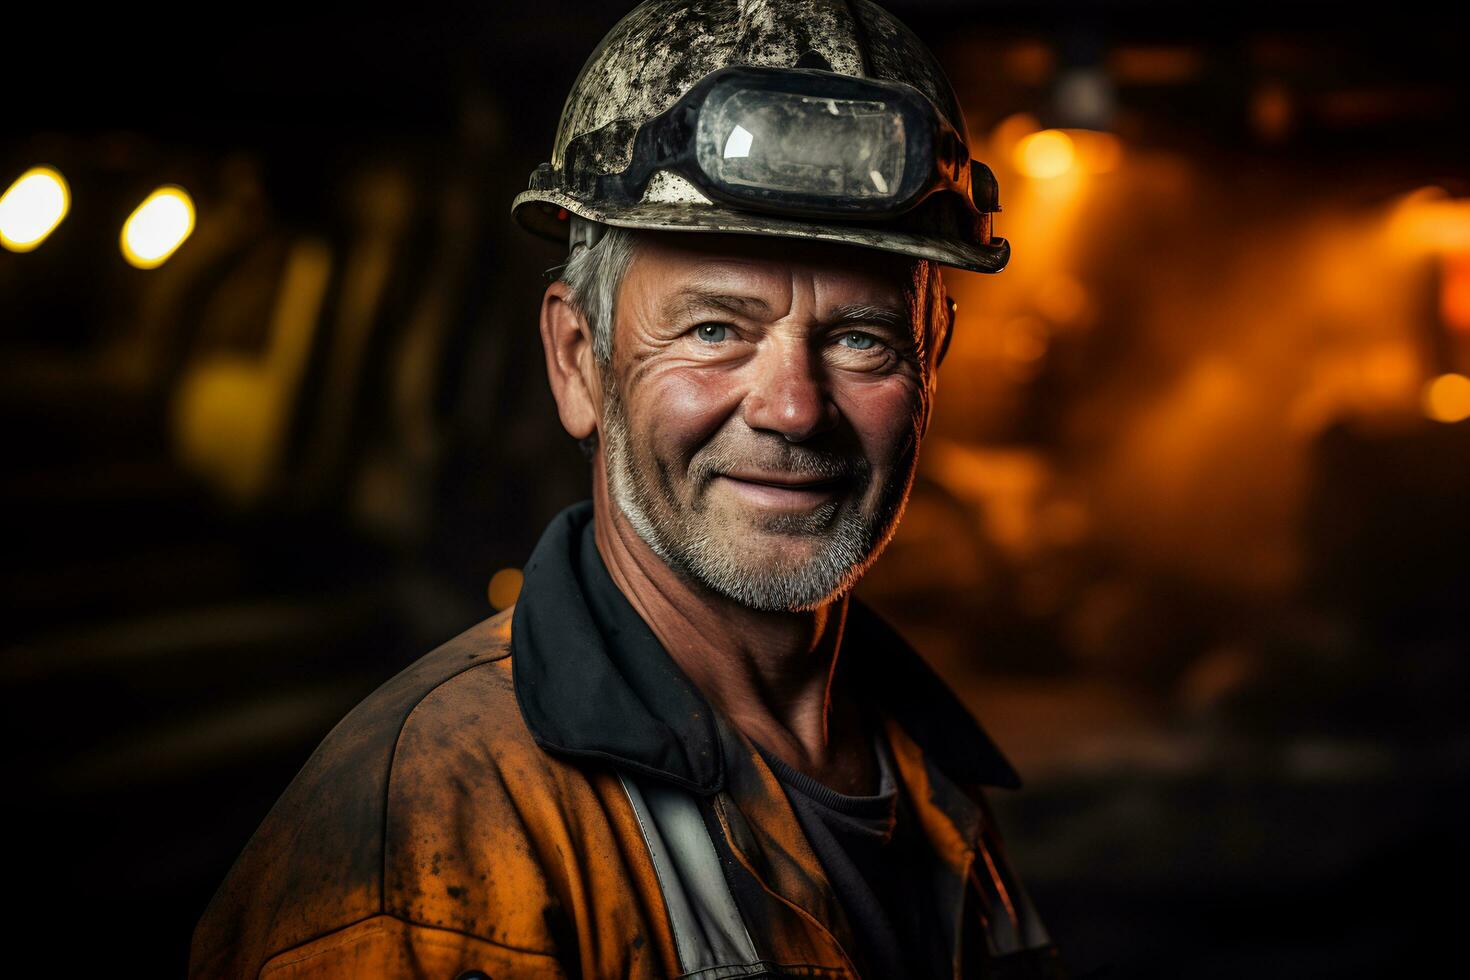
x,y
393,760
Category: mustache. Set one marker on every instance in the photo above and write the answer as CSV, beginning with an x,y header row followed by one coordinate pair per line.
x,y
777,457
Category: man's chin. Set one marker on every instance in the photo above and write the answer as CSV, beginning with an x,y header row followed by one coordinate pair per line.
x,y
763,550
784,542
768,558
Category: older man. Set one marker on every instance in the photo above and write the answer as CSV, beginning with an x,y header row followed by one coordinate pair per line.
x,y
687,751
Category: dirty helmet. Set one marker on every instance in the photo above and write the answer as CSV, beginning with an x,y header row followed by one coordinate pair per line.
x,y
812,119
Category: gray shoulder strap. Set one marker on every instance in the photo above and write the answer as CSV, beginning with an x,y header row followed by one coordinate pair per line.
x,y
708,930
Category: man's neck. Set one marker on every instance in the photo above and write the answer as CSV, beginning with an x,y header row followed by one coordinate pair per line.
x,y
770,673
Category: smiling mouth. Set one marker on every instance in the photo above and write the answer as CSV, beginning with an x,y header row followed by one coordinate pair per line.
x,y
786,481
784,489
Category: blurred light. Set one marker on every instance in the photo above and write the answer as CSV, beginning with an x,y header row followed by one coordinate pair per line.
x,y
1371,106
1389,371
1454,292
1097,152
1084,98
1063,300
232,410
1029,62
1447,398
32,208
158,227
1429,219
505,587
1064,522
1272,112
1009,132
1049,153
1154,65
1009,485
1025,339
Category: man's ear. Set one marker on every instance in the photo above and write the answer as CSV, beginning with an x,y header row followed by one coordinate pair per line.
x,y
571,365
950,309
941,315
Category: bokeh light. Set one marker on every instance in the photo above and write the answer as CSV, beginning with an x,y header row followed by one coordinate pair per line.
x,y
505,587
1447,398
158,227
32,207
1049,153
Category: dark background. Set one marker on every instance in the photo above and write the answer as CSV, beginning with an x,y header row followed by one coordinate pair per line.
x,y
1189,536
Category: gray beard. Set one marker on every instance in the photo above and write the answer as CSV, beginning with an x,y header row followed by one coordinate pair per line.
x,y
852,542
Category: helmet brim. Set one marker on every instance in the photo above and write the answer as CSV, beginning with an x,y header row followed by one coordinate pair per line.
x,y
544,213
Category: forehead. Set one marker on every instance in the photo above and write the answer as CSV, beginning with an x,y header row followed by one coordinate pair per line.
x,y
670,263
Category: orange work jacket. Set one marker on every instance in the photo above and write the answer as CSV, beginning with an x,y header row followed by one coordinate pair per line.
x,y
518,803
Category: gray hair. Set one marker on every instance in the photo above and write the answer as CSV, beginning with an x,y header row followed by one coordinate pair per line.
x,y
600,256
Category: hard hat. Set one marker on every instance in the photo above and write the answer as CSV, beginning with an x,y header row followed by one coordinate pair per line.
x,y
816,119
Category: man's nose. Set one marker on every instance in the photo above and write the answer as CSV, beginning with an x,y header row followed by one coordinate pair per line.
x,y
789,395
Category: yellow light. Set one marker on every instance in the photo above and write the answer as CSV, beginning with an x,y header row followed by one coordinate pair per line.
x,y
158,227
32,208
1447,398
505,587
1049,153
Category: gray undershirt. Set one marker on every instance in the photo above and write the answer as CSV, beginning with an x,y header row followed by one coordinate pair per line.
x,y
879,867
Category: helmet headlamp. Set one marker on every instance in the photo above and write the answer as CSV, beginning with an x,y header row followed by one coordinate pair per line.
x,y
803,143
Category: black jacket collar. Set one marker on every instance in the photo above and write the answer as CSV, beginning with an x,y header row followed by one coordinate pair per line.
x,y
592,681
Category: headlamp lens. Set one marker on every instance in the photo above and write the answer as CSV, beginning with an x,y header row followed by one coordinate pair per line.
x,y
787,142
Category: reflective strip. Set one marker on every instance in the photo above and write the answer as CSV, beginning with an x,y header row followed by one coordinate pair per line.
x,y
1012,923
709,932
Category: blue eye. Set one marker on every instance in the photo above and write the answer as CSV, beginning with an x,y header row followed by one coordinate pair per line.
x,y
711,333
857,341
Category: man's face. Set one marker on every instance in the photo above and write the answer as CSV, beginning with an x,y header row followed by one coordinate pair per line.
x,y
763,410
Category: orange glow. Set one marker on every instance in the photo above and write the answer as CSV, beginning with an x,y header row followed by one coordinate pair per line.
x,y
505,587
1064,300
1097,152
1029,62
1154,65
1008,485
1272,111
1255,349
1428,219
1388,371
1454,292
1447,398
1024,341
1366,382
1010,131
1049,153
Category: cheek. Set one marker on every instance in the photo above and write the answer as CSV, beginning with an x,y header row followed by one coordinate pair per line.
x,y
680,408
884,413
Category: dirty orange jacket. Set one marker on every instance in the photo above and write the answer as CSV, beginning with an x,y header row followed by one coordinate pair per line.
x,y
468,821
